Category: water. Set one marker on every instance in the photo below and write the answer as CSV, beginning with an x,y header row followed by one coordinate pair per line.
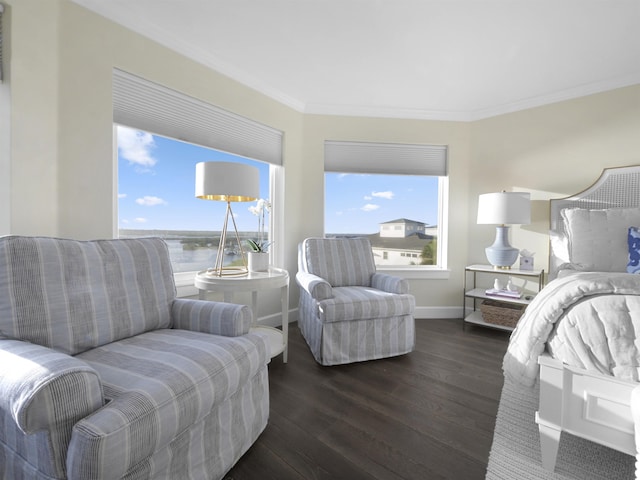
x,y
191,260
191,251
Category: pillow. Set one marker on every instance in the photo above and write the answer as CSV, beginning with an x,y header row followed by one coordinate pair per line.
x,y
633,239
597,238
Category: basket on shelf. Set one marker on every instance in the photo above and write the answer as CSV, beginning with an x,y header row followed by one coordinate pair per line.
x,y
499,313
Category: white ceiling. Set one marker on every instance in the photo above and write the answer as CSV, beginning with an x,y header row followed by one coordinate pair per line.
x,y
429,59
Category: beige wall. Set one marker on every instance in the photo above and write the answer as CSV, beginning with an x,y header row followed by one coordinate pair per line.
x,y
61,165
553,152
433,292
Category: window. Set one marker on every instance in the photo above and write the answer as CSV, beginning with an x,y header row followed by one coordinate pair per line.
x,y
156,182
150,116
394,194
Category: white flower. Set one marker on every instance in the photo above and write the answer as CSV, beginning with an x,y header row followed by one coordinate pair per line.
x,y
259,210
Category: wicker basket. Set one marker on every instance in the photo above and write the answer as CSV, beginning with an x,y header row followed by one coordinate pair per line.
x,y
499,313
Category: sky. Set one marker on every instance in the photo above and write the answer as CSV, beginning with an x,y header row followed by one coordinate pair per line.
x,y
156,185
156,190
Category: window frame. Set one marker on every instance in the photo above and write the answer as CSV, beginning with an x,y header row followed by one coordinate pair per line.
x,y
148,106
416,160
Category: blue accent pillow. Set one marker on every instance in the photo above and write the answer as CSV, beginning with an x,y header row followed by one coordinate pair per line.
x,y
634,250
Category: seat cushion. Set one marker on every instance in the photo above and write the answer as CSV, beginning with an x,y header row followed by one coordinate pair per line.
x,y
157,385
362,303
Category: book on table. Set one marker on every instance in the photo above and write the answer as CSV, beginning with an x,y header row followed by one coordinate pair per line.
x,y
494,292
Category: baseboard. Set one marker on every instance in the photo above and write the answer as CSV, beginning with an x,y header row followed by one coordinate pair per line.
x,y
438,312
421,313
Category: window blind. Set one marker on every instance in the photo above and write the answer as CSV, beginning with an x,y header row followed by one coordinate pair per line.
x,y
144,105
386,158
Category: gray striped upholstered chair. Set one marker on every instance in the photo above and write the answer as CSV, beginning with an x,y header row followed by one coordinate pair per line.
x,y
349,312
105,374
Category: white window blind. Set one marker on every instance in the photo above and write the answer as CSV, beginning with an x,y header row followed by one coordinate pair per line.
x,y
144,105
385,158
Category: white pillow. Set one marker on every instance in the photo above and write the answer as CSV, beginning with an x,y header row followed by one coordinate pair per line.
x,y
598,238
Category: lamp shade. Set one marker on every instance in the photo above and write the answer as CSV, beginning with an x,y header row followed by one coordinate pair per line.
x,y
504,208
227,181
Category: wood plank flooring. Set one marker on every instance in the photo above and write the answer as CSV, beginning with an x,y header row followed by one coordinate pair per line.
x,y
426,415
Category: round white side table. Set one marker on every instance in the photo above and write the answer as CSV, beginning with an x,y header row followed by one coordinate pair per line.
x,y
253,282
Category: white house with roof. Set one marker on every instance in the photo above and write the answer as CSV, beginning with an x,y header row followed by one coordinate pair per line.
x,y
401,242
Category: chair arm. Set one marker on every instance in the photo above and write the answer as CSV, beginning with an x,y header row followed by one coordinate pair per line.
x,y
43,389
389,283
317,287
218,318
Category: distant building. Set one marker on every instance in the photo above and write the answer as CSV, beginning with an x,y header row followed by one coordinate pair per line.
x,y
401,228
401,242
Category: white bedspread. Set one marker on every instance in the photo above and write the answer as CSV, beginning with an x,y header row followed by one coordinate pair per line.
x,y
600,315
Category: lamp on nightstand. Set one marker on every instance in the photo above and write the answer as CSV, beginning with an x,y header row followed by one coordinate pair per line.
x,y
227,182
503,209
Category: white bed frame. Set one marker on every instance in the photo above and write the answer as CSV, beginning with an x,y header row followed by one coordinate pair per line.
x,y
586,404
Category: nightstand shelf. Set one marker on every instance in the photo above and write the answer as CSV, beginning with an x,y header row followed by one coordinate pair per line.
x,y
487,273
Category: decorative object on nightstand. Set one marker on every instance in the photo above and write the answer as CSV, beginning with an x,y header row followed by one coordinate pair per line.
x,y
503,209
258,261
227,182
526,260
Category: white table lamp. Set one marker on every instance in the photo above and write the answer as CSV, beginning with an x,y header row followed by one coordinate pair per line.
x,y
503,209
227,182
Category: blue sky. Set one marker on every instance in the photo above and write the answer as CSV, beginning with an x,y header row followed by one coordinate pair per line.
x,y
156,183
358,203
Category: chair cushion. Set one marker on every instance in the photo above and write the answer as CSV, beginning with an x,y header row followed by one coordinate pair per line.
x,y
361,303
159,384
340,261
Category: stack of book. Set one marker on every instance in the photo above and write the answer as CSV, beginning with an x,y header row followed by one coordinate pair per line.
x,y
503,293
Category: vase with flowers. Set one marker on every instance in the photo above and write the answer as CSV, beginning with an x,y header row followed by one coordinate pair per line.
x,y
258,255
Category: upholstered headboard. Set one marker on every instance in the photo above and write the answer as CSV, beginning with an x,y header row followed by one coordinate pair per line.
x,y
617,187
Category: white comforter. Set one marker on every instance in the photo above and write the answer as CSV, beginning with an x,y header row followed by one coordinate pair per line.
x,y
599,327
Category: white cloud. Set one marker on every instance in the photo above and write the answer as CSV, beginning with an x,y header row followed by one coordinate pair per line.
x,y
140,220
388,194
369,207
149,201
368,197
122,195
136,146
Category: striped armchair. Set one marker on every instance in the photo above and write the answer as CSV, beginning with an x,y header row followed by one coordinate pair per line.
x,y
105,374
348,312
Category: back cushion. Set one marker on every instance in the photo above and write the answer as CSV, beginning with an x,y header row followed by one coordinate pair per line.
x,y
73,296
340,261
597,239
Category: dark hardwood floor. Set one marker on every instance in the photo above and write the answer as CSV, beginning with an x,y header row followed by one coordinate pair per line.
x,y
426,415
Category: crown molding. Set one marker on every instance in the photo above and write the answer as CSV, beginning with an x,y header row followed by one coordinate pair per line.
x,y
386,112
556,97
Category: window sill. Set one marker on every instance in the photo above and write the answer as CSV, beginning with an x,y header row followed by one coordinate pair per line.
x,y
412,273
185,284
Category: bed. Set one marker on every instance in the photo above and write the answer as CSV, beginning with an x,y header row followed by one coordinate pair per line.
x,y
579,340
